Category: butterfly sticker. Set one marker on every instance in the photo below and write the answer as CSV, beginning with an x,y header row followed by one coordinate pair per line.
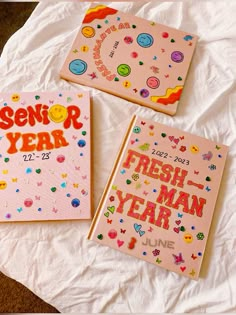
x,y
39,183
178,259
51,101
77,168
86,117
180,215
37,197
63,175
122,231
196,172
150,229
14,180
75,185
143,123
208,188
109,221
207,156
84,177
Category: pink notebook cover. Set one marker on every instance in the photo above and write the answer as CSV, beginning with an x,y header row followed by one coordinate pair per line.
x,y
159,201
136,59
45,156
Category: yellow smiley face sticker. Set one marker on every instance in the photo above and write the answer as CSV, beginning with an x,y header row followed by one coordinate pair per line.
x,y
126,84
88,31
84,48
15,97
194,149
188,238
57,113
3,184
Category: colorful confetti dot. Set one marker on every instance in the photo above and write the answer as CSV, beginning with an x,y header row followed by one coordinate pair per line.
x,y
53,189
154,190
121,220
39,209
165,35
84,133
112,198
199,254
6,160
8,216
28,170
163,135
67,195
100,237
193,227
128,181
144,253
38,170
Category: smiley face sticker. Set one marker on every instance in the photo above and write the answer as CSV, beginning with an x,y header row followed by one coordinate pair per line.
x,y
78,66
123,70
15,97
177,56
145,40
57,113
153,82
88,31
3,184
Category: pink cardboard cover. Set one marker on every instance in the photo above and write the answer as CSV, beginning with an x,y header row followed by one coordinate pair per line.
x,y
159,201
45,156
142,61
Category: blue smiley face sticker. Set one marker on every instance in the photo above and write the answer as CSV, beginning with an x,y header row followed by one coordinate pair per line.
x,y
81,143
75,202
145,40
78,66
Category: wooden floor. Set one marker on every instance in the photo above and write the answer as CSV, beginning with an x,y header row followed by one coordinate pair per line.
x,y
13,15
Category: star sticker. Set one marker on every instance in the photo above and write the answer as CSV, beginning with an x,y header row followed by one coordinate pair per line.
x,y
75,51
192,273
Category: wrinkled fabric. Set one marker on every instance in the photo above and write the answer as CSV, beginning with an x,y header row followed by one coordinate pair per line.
x,y
54,259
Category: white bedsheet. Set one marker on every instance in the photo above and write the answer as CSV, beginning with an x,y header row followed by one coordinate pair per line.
x,y
55,259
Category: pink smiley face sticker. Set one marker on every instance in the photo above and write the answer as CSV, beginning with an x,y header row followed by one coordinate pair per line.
x,y
112,234
60,158
28,202
153,82
128,39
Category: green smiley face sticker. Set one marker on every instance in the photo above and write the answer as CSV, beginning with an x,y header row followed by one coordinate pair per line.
x,y
123,70
137,129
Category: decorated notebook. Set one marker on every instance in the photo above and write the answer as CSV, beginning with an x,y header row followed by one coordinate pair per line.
x,y
45,156
141,61
159,200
